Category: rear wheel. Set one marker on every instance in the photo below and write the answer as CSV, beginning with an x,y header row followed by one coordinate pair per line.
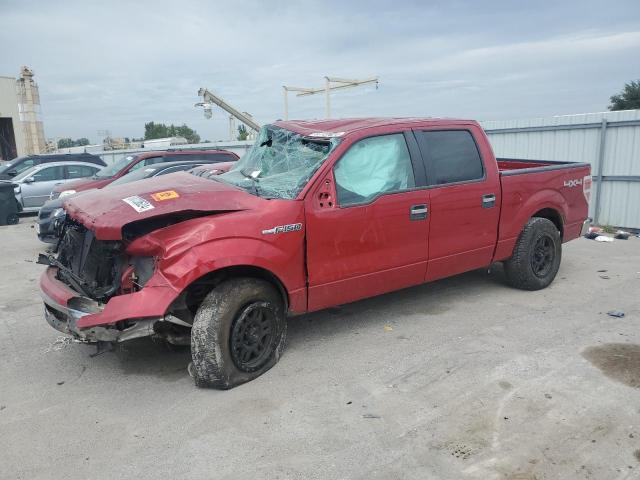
x,y
536,256
238,333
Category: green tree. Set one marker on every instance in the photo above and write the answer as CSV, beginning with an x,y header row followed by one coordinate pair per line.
x,y
243,134
628,99
81,142
186,132
65,143
160,130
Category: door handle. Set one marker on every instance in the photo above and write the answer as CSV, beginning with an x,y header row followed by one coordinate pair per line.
x,y
488,200
418,212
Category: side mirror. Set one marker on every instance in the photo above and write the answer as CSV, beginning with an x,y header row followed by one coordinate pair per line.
x,y
12,173
29,180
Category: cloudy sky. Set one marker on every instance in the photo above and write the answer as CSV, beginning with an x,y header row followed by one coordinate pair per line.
x,y
116,65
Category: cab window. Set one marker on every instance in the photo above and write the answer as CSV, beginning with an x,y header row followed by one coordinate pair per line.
x,y
451,156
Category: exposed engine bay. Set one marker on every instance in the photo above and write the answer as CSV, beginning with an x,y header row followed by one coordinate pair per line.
x,y
101,269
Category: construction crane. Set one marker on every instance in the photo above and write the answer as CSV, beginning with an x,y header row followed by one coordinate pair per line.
x,y
209,98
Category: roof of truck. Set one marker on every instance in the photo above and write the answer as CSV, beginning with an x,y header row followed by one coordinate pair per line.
x,y
347,125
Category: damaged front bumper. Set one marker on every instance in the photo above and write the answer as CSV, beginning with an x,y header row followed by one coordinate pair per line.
x,y
124,317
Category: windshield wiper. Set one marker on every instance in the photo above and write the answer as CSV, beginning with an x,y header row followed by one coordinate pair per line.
x,y
254,178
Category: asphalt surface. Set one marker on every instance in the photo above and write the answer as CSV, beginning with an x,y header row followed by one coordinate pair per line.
x,y
464,378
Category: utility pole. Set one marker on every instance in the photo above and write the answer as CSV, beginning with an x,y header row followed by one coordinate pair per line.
x,y
342,83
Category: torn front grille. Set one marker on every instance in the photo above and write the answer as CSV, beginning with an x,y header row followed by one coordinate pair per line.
x,y
90,266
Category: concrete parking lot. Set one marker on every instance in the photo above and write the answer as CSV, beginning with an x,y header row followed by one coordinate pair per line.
x,y
463,378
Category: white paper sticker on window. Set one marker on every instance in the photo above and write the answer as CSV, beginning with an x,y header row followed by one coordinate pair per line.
x,y
139,204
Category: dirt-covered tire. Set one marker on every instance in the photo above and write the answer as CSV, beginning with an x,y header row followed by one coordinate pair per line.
x,y
536,256
238,333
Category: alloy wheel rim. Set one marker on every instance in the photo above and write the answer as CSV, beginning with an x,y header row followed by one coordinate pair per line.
x,y
543,256
252,335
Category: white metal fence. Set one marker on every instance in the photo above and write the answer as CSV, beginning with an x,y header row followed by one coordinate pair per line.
x,y
609,141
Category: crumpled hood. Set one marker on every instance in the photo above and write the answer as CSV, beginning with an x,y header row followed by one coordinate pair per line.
x,y
107,210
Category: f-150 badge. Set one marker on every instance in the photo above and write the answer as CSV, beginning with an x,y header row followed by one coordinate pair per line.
x,y
292,227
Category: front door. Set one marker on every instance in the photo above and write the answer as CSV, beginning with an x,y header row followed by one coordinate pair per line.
x,y
366,224
35,193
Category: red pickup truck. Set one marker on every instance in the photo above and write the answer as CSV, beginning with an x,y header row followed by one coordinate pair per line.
x,y
317,213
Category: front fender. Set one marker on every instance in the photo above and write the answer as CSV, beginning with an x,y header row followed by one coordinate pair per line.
x,y
284,260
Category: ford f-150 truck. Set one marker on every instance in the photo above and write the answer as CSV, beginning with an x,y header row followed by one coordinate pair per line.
x,y
316,214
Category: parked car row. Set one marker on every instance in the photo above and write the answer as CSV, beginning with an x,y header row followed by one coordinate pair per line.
x,y
52,214
37,179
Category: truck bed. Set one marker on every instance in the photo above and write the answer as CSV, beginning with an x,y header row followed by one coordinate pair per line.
x,y
564,186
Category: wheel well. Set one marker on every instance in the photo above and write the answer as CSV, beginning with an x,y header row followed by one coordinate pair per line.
x,y
186,305
552,215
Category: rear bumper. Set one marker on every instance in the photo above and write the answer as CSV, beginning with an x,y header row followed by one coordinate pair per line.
x,y
83,318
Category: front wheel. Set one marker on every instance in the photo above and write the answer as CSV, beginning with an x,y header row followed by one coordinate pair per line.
x,y
238,333
536,256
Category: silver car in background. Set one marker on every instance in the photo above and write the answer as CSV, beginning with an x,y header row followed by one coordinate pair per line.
x,y
33,186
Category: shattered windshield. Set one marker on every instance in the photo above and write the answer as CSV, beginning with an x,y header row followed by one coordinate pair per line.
x,y
280,163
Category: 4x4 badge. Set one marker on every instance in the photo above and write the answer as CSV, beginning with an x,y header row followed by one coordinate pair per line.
x,y
292,227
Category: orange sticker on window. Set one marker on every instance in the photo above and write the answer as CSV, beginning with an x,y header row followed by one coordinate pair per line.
x,y
167,195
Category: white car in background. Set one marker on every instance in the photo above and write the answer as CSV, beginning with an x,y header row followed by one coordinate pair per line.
x,y
34,185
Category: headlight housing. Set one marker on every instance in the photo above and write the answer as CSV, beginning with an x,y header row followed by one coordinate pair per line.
x,y
66,193
58,212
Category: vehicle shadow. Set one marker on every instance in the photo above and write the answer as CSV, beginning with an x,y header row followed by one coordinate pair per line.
x,y
155,358
432,298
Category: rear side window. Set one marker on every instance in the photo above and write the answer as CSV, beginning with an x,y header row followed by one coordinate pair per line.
x,y
80,171
372,167
451,156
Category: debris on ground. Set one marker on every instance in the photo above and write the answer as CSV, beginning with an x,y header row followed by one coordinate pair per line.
x,y
616,313
59,343
605,277
602,238
622,235
388,328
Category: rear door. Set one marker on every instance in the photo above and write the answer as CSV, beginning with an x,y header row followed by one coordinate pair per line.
x,y
35,193
366,222
464,199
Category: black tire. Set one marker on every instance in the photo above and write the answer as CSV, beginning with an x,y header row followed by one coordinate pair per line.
x,y
13,219
238,333
536,256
